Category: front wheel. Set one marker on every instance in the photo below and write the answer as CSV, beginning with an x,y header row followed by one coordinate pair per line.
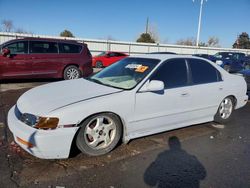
x,y
99,134
225,110
227,68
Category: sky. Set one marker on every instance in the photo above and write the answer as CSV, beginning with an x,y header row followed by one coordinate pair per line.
x,y
124,20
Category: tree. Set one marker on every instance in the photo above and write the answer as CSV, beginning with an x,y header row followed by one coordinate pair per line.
x,y
7,25
20,30
153,31
187,42
66,33
145,37
242,42
213,41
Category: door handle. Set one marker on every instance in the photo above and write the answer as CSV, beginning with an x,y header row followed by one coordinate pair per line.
x,y
220,88
184,94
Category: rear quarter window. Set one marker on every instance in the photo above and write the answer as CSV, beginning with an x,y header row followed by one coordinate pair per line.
x,y
69,48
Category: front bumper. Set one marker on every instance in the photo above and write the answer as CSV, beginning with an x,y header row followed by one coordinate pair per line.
x,y
47,144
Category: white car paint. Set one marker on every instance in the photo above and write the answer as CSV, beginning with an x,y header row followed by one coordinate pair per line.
x,y
142,113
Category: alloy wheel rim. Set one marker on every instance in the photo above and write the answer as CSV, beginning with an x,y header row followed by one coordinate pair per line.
x,y
72,74
100,132
226,108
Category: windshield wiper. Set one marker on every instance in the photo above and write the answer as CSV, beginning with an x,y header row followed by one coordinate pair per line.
x,y
105,84
95,80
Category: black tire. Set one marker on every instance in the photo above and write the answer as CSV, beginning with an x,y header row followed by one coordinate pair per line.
x,y
86,143
219,114
71,72
98,64
227,68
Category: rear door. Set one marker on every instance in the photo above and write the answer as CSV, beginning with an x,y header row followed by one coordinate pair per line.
x,y
206,90
44,55
17,64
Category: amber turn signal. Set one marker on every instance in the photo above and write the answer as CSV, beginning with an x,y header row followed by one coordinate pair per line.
x,y
21,141
47,123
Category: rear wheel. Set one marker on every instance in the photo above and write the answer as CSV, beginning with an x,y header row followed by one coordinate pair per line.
x,y
71,72
99,134
99,64
225,110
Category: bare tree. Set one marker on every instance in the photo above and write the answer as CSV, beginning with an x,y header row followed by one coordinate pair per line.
x,y
7,25
110,37
153,31
20,30
188,42
213,41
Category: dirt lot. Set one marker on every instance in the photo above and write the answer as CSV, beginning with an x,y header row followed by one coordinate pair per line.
x,y
17,168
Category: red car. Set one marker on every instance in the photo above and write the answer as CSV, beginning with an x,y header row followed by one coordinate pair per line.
x,y
44,58
107,58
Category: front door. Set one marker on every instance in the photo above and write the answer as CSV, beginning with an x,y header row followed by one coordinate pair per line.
x,y
17,63
159,111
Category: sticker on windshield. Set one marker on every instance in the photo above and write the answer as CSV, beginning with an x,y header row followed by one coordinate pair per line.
x,y
133,66
137,67
141,68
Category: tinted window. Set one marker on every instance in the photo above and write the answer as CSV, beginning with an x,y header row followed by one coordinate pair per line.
x,y
112,54
43,47
173,73
70,48
18,47
203,72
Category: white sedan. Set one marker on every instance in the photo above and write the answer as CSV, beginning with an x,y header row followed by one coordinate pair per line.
x,y
134,97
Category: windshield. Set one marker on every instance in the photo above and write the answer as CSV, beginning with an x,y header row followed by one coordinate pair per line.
x,y
126,73
101,54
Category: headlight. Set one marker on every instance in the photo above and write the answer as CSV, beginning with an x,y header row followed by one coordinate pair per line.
x,y
36,121
219,62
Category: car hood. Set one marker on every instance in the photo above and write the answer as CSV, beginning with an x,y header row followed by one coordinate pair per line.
x,y
245,72
46,98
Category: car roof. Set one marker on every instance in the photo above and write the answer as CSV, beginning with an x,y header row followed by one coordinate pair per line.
x,y
164,57
45,39
116,52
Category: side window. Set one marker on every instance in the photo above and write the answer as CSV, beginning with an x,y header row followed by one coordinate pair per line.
x,y
203,72
112,54
69,48
18,47
173,73
43,47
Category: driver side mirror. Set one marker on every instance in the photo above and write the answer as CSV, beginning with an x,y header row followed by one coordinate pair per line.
x,y
5,52
153,85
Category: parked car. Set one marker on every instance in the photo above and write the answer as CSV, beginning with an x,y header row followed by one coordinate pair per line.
x,y
206,56
230,61
246,73
105,59
162,53
135,97
44,58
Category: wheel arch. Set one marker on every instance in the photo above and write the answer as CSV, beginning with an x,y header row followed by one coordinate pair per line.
x,y
234,100
71,64
123,134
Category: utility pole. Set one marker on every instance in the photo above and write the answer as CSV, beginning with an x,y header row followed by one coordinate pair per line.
x,y
147,25
199,24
